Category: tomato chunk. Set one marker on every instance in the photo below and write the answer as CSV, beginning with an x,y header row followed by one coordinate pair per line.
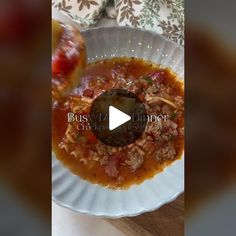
x,y
91,138
112,168
62,65
88,93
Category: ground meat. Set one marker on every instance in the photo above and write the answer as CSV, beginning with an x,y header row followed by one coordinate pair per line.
x,y
103,160
104,152
154,129
165,153
162,131
111,168
170,124
169,131
146,143
103,149
149,147
140,142
135,158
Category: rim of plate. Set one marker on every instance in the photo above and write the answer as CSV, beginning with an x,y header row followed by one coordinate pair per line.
x,y
133,29
110,216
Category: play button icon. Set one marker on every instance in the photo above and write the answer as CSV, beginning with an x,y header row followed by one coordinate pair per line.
x,y
117,118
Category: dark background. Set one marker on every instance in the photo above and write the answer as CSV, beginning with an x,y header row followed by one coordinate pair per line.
x,y
210,79
25,105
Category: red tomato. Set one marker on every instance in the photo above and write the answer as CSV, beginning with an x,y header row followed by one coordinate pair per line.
x,y
112,168
62,65
88,93
92,138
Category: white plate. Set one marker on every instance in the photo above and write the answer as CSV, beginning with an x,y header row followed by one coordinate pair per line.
x,y
71,191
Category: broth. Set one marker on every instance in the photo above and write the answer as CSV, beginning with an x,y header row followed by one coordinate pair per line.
x,y
161,143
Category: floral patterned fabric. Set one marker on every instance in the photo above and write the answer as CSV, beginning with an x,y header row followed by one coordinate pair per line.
x,y
84,12
165,17
162,16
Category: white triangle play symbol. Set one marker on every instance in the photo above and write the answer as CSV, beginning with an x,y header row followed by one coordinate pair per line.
x,y
117,118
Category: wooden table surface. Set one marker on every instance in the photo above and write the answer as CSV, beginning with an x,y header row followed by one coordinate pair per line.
x,y
166,221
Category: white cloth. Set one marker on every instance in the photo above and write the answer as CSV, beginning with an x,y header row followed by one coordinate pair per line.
x,y
165,17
